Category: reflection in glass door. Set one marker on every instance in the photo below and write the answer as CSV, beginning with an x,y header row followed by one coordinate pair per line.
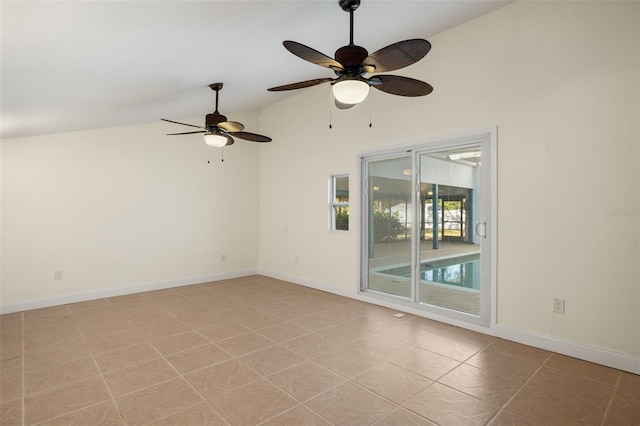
x,y
389,216
450,256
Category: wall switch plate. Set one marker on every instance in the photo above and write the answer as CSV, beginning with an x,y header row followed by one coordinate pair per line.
x,y
558,306
57,275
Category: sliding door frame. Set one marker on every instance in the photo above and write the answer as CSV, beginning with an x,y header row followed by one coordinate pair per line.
x,y
487,138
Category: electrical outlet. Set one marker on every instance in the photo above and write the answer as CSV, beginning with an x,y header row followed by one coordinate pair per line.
x,y
558,306
296,260
223,257
57,275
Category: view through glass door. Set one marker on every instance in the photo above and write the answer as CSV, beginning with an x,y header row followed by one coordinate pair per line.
x,y
450,249
389,225
425,228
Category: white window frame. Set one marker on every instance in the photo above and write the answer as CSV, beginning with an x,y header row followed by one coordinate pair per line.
x,y
333,204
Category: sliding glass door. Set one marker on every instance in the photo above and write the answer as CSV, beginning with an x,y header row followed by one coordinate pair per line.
x,y
425,214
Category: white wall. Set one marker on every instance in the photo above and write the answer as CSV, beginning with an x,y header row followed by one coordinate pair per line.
x,y
561,81
123,207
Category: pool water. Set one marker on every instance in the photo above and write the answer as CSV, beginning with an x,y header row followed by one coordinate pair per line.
x,y
460,271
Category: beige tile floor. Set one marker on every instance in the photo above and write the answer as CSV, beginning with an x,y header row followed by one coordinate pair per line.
x,y
261,351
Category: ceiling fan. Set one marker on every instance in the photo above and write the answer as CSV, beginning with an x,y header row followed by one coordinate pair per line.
x,y
352,62
217,130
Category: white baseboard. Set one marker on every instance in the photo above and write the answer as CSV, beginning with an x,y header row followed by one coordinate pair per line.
x,y
308,283
581,351
45,302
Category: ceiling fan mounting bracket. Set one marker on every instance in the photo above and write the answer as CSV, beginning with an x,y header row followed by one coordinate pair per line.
x,y
349,5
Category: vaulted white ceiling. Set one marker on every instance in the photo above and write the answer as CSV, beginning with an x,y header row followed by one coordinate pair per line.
x,y
73,65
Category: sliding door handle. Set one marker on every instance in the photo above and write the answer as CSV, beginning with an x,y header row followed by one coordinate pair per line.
x,y
484,229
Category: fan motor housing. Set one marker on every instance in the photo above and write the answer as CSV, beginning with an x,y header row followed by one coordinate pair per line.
x,y
213,119
351,56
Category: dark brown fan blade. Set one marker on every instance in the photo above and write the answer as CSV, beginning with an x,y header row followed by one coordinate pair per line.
x,y
402,86
187,133
251,136
340,105
230,140
397,55
300,84
312,55
184,124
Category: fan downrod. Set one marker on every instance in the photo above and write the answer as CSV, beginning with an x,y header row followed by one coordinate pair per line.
x,y
216,87
349,5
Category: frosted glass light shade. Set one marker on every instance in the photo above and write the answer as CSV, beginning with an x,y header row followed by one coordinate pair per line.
x,y
214,140
350,91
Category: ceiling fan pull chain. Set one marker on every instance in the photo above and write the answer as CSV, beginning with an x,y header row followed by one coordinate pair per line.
x,y
371,110
330,102
222,155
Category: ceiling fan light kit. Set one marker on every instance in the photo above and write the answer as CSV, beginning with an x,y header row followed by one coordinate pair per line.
x,y
352,63
350,92
216,141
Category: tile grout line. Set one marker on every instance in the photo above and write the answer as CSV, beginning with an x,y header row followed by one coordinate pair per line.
x,y
611,398
461,363
46,421
113,399
382,360
264,377
180,375
301,404
146,340
346,380
520,388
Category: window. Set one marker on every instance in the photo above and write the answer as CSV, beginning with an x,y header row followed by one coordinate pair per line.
x,y
339,202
